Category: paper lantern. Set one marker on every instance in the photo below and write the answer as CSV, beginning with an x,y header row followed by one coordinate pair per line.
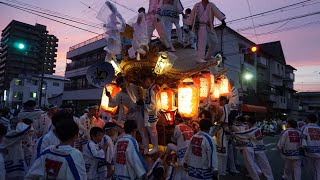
x,y
164,63
202,83
188,99
167,99
215,92
212,84
207,75
113,89
224,87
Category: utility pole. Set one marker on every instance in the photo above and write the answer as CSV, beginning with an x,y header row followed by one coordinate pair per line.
x,y
41,83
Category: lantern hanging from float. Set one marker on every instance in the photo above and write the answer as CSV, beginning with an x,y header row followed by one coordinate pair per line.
x,y
188,99
168,108
113,89
207,75
212,84
225,87
202,83
164,63
167,99
215,92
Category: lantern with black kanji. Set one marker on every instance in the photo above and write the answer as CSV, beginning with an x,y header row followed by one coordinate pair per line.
x,y
224,87
207,74
188,99
168,108
202,83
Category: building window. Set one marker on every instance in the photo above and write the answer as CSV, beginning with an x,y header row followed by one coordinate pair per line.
x,y
33,95
34,82
18,95
18,82
291,76
55,84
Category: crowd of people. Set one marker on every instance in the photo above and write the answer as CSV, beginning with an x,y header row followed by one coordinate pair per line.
x,y
54,144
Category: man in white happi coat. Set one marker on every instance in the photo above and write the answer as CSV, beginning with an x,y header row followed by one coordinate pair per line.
x,y
106,141
128,100
169,13
152,107
44,123
94,156
203,13
29,111
220,135
201,155
153,22
254,134
290,148
16,162
246,148
182,135
311,145
88,121
61,161
128,162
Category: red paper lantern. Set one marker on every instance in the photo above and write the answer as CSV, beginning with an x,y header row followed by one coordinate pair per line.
x,y
202,83
188,99
113,89
167,99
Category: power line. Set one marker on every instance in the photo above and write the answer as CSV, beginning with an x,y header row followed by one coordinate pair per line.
x,y
266,12
49,18
279,21
254,27
11,5
124,6
50,11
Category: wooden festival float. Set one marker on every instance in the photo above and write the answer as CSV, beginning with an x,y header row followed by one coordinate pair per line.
x,y
186,87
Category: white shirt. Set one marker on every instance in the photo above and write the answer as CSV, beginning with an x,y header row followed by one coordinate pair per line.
x,y
109,152
311,140
128,161
289,144
44,142
43,124
201,156
94,158
62,162
182,135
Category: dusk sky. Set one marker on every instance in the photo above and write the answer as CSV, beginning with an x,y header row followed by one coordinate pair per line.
x,y
301,45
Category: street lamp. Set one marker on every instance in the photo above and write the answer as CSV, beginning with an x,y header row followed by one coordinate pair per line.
x,y
248,76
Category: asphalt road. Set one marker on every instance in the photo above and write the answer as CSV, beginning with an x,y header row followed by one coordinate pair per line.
x,y
275,160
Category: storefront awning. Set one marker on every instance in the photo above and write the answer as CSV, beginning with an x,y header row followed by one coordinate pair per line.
x,y
253,108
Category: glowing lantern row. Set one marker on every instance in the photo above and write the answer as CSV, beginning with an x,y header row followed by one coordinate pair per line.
x,y
167,99
113,89
202,83
188,99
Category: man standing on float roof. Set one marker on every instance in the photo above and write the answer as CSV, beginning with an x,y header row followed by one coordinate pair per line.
x,y
202,20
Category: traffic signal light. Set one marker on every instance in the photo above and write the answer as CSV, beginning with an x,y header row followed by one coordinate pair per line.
x,y
20,45
250,50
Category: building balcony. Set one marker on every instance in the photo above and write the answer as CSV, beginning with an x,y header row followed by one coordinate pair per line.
x,y
87,46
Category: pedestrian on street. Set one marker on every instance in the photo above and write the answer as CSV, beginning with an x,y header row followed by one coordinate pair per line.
x,y
311,145
289,146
